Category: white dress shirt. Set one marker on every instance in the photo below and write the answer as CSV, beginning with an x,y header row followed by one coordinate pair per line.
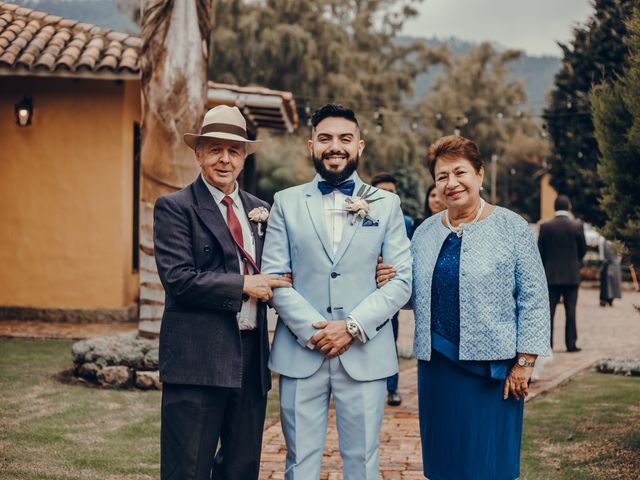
x,y
335,216
248,315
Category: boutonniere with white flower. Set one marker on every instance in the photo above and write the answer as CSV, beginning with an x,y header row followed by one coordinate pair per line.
x,y
359,204
259,216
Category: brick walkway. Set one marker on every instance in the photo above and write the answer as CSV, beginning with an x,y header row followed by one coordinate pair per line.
x,y
602,332
73,331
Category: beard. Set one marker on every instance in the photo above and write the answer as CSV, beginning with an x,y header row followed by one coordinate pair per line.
x,y
335,178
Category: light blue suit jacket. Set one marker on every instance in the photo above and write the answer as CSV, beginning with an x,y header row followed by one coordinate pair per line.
x,y
504,300
330,286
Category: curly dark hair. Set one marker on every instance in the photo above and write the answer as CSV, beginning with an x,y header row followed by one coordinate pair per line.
x,y
333,110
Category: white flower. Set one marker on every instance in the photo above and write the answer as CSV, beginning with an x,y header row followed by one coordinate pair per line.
x,y
259,215
358,206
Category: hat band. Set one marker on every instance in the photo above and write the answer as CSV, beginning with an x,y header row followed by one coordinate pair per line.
x,y
224,128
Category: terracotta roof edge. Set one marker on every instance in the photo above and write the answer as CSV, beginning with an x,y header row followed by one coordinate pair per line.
x,y
48,19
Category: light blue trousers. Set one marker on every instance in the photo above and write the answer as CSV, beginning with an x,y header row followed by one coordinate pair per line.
x,y
304,410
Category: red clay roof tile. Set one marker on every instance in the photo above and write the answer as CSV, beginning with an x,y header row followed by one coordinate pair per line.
x,y
38,42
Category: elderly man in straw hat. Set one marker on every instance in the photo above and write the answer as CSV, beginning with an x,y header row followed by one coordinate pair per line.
x,y
213,342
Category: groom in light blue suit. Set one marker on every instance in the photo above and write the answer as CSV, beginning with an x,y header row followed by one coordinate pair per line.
x,y
333,336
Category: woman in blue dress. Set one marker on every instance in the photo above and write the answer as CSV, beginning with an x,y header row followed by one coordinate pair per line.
x,y
482,318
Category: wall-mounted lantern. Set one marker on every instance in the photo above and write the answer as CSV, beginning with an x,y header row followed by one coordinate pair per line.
x,y
24,112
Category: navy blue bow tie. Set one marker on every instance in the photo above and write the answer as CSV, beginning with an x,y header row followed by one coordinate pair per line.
x,y
345,187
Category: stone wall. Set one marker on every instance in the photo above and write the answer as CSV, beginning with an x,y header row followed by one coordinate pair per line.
x,y
118,361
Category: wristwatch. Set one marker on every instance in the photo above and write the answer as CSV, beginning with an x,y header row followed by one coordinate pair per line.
x,y
523,362
352,327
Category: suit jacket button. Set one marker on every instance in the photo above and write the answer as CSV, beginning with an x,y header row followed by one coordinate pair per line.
x,y
334,274
328,309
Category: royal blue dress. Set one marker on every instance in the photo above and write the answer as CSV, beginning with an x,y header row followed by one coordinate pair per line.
x,y
468,431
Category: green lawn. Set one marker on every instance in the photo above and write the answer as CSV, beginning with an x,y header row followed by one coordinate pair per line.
x,y
50,430
589,429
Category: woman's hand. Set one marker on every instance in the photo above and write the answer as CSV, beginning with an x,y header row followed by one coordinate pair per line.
x,y
517,382
384,273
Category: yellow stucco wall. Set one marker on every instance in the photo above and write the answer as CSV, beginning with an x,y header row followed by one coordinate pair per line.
x,y
547,198
66,186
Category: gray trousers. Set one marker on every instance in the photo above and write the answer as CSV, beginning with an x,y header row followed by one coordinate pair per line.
x,y
304,410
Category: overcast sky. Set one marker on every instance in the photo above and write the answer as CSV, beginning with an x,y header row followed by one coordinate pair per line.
x,y
530,25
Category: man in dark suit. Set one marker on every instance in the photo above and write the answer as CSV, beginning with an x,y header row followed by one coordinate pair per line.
x,y
214,345
388,182
562,246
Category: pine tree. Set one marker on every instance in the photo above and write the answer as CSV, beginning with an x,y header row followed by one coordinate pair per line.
x,y
616,116
597,53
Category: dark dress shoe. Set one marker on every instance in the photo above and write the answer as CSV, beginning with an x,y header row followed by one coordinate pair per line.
x,y
574,349
394,399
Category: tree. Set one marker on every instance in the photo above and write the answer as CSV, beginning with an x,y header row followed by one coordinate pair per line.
x,y
596,54
284,163
475,98
331,50
321,50
525,156
616,118
174,82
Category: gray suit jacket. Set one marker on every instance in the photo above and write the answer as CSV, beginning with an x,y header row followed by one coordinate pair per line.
x,y
198,266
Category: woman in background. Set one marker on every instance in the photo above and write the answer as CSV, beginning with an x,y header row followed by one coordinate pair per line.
x,y
610,273
432,204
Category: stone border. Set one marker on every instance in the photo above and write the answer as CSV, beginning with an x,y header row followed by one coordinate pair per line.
x,y
123,360
629,367
71,315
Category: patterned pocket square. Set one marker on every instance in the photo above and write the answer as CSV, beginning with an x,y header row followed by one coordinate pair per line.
x,y
368,222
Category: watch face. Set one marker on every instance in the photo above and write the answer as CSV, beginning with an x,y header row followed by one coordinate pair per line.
x,y
524,363
352,328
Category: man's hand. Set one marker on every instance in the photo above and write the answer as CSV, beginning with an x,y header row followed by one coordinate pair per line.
x,y
333,338
260,286
517,382
384,273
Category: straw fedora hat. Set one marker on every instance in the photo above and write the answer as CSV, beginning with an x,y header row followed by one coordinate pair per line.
x,y
226,123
